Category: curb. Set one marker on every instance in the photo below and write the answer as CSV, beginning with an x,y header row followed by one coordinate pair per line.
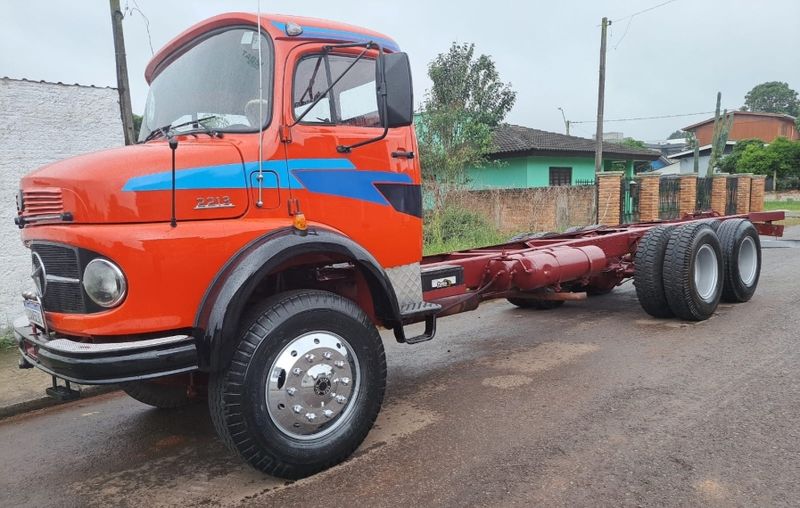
x,y
46,401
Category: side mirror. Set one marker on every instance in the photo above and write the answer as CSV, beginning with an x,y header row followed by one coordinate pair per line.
x,y
399,95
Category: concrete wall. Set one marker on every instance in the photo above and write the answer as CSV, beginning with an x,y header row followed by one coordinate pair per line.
x,y
42,123
526,172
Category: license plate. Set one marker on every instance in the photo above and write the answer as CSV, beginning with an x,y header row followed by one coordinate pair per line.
x,y
33,311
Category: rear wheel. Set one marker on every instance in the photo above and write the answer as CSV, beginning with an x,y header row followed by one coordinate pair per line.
x,y
525,303
693,271
304,387
648,272
741,250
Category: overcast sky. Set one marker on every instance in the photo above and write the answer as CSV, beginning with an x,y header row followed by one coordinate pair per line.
x,y
667,61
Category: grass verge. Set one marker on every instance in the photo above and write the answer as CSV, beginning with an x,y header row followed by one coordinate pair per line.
x,y
789,204
455,228
6,339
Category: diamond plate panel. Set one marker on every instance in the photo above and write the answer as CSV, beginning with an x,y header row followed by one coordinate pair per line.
x,y
407,283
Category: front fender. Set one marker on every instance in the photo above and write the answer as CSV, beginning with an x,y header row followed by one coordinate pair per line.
x,y
217,320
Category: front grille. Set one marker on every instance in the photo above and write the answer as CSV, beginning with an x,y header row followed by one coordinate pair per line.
x,y
66,297
42,201
61,261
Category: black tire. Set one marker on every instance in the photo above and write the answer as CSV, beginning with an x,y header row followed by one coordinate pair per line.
x,y
524,237
714,223
693,248
741,250
162,396
648,272
238,394
525,303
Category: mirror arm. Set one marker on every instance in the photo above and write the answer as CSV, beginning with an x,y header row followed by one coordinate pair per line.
x,y
384,116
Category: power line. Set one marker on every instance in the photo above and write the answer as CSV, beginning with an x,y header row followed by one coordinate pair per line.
x,y
643,117
662,4
146,21
630,19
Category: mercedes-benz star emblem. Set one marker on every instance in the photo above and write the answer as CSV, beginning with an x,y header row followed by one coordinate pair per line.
x,y
39,276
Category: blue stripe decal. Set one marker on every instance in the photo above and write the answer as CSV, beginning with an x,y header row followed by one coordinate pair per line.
x,y
336,177
353,184
315,32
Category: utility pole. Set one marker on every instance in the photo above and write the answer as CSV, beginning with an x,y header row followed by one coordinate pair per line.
x,y
601,95
566,122
122,73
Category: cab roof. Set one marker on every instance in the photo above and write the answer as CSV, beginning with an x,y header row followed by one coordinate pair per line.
x,y
275,25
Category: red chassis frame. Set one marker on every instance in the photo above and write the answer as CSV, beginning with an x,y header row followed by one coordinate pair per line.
x,y
552,268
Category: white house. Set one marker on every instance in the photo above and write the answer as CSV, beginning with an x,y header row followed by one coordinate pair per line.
x,y
43,122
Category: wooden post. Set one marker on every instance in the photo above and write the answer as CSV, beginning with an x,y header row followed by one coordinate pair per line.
x,y
601,95
122,73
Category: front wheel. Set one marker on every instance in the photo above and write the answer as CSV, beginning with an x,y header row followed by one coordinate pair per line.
x,y
305,384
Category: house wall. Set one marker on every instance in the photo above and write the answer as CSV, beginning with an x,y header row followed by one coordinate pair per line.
x,y
750,127
42,123
526,172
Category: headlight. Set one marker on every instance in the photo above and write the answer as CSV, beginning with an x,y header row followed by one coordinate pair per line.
x,y
104,282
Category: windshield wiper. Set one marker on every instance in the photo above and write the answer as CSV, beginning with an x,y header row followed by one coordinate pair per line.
x,y
164,132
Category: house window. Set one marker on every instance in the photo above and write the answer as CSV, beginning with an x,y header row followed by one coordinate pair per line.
x,y
560,176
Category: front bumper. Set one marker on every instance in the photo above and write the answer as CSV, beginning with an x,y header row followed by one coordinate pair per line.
x,y
105,363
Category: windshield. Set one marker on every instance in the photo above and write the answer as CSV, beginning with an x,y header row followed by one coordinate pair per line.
x,y
216,77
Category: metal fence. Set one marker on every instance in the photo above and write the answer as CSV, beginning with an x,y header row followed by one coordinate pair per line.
x,y
703,201
669,188
628,202
584,183
732,191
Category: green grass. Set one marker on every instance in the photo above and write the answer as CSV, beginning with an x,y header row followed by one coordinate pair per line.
x,y
6,339
454,228
482,239
790,205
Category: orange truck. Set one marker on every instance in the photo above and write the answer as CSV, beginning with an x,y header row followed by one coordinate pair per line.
x,y
269,221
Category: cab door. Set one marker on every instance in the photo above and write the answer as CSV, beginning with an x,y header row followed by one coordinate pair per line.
x,y
371,192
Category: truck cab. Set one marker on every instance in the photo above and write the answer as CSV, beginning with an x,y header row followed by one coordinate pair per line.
x,y
276,154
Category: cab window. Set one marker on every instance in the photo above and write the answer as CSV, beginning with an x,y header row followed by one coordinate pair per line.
x,y
352,101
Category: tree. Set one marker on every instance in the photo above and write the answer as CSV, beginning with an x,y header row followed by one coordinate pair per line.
x,y
465,103
730,162
773,97
137,124
678,134
781,159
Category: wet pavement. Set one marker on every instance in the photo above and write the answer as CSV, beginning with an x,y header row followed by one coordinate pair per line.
x,y
591,404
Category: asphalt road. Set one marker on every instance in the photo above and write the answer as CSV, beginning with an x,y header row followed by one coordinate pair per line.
x,y
591,404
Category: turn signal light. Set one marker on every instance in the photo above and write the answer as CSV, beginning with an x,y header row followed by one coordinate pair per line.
x,y
300,222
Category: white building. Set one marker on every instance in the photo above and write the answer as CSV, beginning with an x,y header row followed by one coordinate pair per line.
x,y
42,123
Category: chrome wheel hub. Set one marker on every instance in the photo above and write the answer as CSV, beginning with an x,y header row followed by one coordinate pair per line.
x,y
312,385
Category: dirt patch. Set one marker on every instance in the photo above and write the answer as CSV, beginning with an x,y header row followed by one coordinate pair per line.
x,y
543,357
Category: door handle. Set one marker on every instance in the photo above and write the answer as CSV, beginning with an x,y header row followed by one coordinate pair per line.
x,y
402,154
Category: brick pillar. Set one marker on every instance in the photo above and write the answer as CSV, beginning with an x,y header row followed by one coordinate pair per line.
x,y
608,188
648,196
757,193
719,193
687,197
743,193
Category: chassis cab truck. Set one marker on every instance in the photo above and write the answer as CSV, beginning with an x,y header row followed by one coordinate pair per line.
x,y
268,222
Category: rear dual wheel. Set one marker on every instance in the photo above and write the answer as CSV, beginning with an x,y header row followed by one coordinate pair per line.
x,y
685,271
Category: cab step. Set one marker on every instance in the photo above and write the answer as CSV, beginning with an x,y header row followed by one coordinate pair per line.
x,y
413,313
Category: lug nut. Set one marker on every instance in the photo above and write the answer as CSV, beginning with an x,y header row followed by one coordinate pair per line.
x,y
339,364
328,413
291,391
310,358
345,381
327,355
311,417
297,408
297,371
341,399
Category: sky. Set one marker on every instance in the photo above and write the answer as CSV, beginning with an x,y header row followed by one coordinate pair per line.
x,y
670,60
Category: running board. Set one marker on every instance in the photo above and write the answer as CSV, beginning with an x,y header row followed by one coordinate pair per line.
x,y
413,313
